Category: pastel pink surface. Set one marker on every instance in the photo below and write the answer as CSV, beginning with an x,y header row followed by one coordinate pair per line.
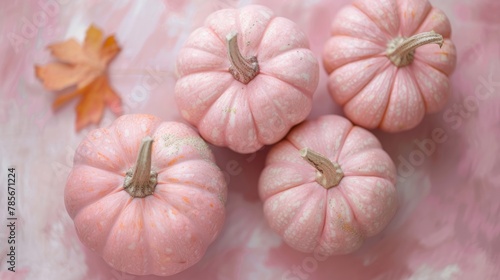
x,y
373,91
163,233
311,218
229,113
446,226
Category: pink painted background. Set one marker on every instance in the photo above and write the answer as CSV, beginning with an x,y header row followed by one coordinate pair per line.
x,y
448,224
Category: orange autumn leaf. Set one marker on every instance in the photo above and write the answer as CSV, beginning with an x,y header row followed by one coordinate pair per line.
x,y
84,67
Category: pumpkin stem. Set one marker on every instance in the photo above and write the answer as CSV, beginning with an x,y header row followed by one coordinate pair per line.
x,y
328,174
141,181
401,51
242,69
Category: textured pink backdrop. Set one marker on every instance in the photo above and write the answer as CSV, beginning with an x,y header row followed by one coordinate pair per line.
x,y
448,224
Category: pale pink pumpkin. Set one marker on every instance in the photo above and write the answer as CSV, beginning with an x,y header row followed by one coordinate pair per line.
x,y
245,78
146,195
384,66
327,186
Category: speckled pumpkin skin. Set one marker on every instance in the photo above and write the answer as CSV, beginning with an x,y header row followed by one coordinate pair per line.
x,y
244,117
374,92
311,218
160,234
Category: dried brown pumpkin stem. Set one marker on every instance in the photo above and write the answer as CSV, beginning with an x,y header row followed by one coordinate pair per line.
x,y
328,174
401,51
243,69
141,180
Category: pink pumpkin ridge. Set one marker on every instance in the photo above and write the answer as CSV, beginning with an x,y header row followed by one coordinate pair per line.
x,y
379,87
146,195
327,186
245,78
